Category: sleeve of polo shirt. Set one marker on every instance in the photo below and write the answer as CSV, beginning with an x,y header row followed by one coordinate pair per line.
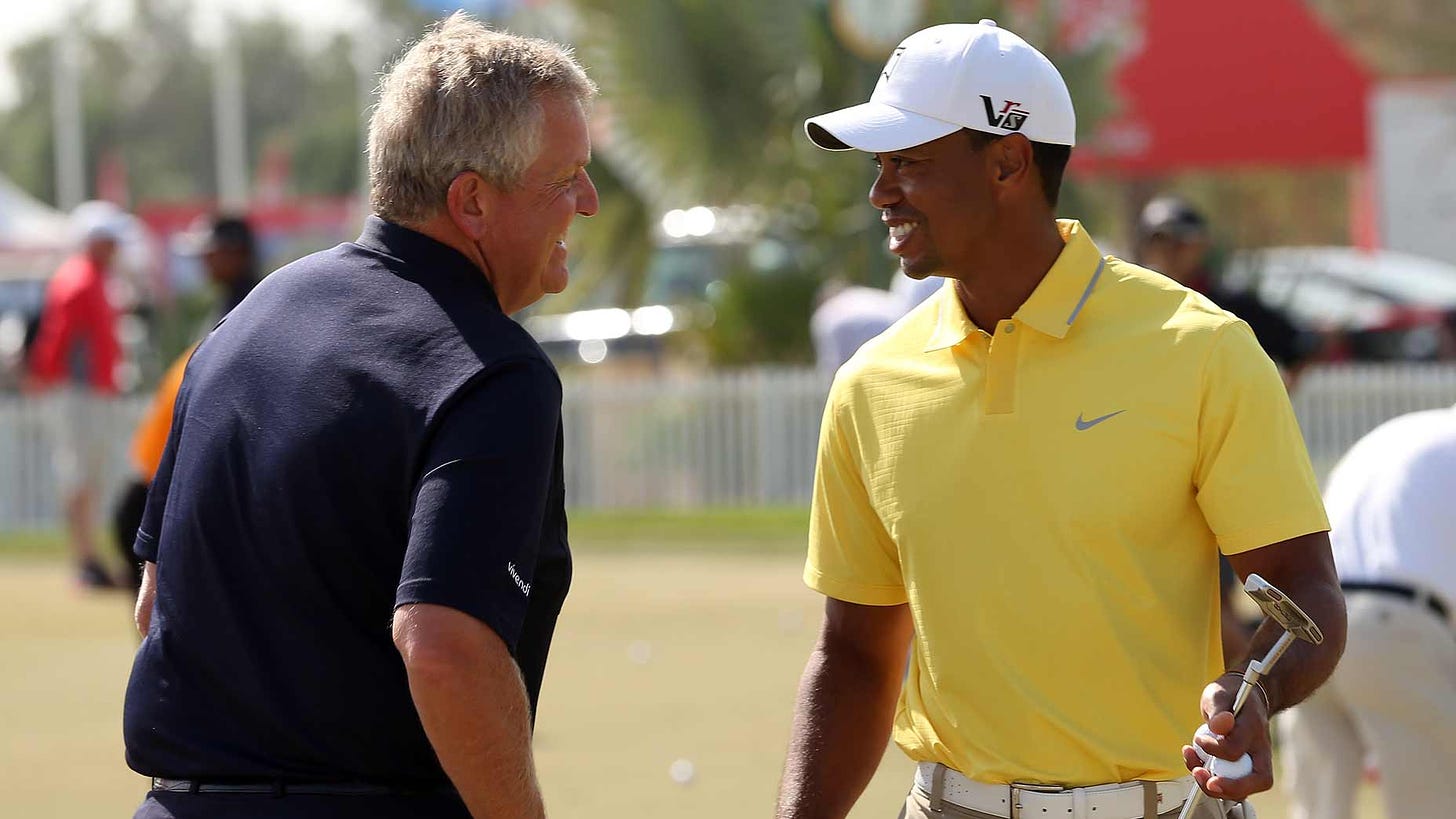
x,y
476,524
145,546
851,556
1254,480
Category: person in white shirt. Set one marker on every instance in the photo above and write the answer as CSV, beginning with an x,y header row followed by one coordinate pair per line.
x,y
847,316
1392,508
913,291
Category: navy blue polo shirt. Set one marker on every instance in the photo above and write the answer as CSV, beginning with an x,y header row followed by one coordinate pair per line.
x,y
365,430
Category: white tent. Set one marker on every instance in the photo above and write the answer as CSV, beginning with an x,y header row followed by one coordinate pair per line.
x,y
33,235
27,224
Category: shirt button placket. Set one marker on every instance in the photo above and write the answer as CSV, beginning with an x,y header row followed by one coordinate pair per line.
x,y
1001,375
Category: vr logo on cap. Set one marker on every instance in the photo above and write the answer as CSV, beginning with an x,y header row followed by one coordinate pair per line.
x,y
1012,117
890,65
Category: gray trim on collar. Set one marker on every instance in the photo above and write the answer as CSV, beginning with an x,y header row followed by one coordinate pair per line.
x,y
1088,292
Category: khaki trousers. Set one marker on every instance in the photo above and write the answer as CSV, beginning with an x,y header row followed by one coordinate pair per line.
x,y
1393,696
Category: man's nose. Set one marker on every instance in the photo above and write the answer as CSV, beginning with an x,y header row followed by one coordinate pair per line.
x,y
588,204
886,189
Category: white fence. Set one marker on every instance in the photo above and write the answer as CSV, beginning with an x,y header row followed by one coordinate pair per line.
x,y
743,438
723,439
27,480
1337,405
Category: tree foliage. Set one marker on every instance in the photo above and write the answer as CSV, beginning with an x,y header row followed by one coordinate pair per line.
x,y
147,98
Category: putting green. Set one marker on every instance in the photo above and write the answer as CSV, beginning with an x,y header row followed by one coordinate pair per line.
x,y
662,655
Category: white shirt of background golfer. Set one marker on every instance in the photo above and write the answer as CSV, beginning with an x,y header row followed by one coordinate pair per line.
x,y
1401,530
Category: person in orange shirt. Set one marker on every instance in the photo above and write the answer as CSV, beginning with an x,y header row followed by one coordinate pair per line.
x,y
73,365
229,254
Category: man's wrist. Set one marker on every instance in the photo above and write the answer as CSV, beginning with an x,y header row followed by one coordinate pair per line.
x,y
1258,686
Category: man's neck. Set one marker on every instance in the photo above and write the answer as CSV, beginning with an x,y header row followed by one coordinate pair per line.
x,y
1006,278
441,229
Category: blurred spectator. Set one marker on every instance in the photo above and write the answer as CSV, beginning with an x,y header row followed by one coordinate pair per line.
x,y
74,361
229,256
914,291
846,317
1394,695
1446,351
229,252
849,315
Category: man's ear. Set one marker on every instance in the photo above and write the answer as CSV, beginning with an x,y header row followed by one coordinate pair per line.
x,y
468,201
1012,161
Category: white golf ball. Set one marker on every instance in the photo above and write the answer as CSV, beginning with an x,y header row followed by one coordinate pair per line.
x,y
681,771
639,652
1229,769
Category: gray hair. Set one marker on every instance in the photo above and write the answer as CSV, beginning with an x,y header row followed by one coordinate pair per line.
x,y
464,98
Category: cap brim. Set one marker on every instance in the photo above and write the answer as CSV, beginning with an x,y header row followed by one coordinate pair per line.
x,y
874,127
1183,233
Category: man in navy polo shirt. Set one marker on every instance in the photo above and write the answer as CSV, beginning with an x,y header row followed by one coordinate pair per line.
x,y
368,440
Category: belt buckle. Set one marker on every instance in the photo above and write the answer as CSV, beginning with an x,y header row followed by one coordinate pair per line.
x,y
1030,787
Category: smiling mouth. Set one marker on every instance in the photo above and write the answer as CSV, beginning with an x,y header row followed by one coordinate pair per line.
x,y
900,233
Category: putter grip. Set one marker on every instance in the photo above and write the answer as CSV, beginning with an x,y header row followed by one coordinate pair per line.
x,y
1243,696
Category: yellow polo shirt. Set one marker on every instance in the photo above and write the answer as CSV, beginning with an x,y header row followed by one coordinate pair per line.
x,y
1050,499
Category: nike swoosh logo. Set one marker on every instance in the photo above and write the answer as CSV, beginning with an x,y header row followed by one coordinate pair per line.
x,y
1081,425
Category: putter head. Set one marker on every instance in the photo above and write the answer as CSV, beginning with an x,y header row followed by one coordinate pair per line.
x,y
1275,604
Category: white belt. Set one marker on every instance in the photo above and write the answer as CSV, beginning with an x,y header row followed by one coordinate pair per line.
x,y
1118,801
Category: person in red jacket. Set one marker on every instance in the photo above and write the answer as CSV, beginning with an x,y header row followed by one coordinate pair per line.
x,y
73,361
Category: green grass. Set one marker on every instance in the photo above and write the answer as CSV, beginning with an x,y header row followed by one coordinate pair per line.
x,y
781,530
775,530
31,545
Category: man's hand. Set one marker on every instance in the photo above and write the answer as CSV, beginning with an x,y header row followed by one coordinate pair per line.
x,y
1249,733
1303,569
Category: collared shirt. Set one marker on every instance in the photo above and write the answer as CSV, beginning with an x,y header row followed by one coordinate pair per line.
x,y
77,340
1392,500
1049,495
366,430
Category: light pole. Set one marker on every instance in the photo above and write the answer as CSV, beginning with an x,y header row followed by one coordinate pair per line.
x,y
67,122
229,116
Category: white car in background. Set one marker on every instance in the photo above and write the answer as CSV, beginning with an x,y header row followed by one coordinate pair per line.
x,y
1389,304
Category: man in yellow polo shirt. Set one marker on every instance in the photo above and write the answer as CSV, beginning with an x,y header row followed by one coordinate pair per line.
x,y
1026,482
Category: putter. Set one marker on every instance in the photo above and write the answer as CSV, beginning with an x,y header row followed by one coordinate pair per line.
x,y
1297,626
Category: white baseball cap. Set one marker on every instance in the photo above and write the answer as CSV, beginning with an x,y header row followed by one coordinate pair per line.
x,y
99,220
945,78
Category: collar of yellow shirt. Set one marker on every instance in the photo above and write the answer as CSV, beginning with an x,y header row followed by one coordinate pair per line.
x,y
1052,307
